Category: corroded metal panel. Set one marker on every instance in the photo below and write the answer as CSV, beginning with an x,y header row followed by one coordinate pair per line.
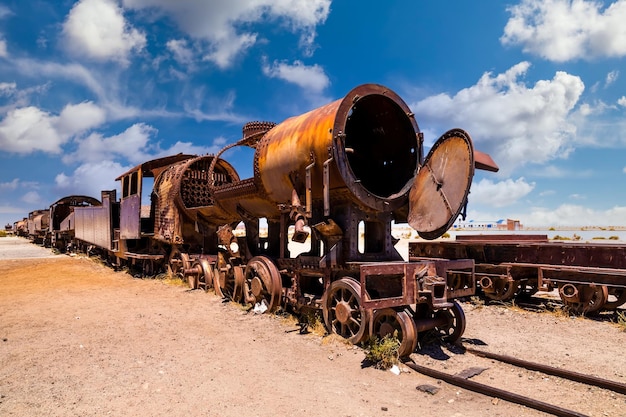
x,y
130,217
94,224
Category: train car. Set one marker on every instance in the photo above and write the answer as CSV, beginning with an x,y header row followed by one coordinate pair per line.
x,y
20,227
62,223
589,277
334,180
37,226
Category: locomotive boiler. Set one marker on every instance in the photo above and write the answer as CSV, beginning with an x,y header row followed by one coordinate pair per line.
x,y
332,181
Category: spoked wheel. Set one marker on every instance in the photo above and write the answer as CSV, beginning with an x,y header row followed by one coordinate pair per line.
x,y
399,323
455,323
343,311
200,275
206,279
590,298
503,290
616,298
262,283
177,263
224,279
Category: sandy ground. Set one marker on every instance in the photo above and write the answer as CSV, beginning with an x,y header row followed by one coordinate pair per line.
x,y
78,339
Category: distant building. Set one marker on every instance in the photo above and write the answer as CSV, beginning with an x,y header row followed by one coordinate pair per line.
x,y
508,224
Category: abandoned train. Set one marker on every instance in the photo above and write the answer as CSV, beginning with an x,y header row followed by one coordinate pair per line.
x,y
590,277
333,179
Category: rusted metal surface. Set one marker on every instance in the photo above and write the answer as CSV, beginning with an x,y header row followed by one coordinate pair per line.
x,y
335,179
585,273
94,225
440,189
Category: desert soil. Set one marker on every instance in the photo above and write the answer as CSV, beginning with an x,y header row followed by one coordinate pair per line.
x,y
79,339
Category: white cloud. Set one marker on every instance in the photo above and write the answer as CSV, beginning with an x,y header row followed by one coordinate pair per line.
x,y
76,118
182,53
90,178
310,78
131,144
97,29
6,89
622,101
3,48
517,124
574,215
563,30
624,170
29,129
611,77
10,185
31,197
226,26
499,194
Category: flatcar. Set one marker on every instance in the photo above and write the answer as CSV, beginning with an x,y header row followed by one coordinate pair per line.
x,y
590,277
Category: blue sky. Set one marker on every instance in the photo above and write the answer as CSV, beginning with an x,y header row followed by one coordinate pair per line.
x,y
91,88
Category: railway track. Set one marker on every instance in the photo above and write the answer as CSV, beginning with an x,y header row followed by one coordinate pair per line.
x,y
463,380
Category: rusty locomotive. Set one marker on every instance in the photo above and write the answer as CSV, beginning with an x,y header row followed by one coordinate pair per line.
x,y
332,180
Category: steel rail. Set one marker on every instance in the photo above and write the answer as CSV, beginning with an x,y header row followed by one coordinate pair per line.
x,y
495,392
546,369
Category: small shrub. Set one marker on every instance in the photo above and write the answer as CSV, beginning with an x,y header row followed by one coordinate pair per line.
x,y
3,233
621,320
613,237
312,322
446,235
383,353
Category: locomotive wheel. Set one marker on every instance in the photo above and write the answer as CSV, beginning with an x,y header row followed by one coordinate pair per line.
x,y
262,282
224,280
455,327
503,290
206,279
389,321
343,313
177,263
592,298
617,297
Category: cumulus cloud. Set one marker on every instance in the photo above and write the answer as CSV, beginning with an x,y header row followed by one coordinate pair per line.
x,y
12,185
563,30
29,129
31,197
622,101
312,78
499,194
515,123
131,144
225,26
90,178
97,29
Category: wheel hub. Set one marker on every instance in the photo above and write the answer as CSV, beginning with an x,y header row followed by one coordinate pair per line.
x,y
343,312
385,330
256,286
